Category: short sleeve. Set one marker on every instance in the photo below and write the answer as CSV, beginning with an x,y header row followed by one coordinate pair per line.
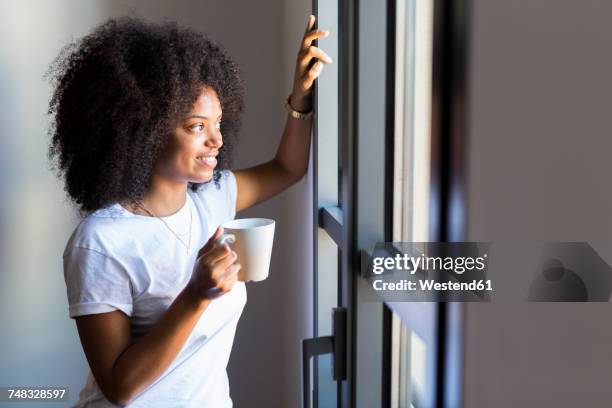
x,y
232,189
95,283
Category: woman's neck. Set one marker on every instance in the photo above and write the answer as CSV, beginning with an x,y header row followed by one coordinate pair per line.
x,y
162,199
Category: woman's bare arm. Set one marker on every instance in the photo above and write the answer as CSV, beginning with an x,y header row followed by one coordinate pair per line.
x,y
264,181
121,370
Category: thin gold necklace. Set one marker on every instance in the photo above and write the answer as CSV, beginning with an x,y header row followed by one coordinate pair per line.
x,y
187,246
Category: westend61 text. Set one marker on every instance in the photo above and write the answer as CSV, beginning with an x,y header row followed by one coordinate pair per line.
x,y
430,284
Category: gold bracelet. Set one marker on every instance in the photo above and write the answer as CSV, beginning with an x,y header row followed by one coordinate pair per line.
x,y
295,114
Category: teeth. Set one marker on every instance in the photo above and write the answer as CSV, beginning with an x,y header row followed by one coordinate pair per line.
x,y
207,159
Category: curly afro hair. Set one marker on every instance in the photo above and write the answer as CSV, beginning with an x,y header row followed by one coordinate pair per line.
x,y
118,95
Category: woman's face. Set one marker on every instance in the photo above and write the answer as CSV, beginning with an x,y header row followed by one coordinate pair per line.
x,y
191,153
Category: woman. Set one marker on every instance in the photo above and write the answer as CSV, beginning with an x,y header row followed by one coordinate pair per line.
x,y
145,117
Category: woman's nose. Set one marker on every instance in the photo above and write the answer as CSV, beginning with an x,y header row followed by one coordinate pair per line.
x,y
215,140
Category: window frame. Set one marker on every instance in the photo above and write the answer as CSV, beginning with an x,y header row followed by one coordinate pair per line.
x,y
364,214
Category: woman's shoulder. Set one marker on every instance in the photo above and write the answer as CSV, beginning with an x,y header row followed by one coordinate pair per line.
x,y
101,230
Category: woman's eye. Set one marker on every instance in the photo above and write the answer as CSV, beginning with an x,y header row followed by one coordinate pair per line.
x,y
199,127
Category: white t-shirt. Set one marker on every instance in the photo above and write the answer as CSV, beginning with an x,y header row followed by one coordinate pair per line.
x,y
117,260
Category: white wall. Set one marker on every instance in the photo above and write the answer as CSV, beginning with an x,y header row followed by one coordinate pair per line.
x,y
39,344
539,144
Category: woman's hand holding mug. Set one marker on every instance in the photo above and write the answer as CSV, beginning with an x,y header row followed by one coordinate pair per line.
x,y
215,271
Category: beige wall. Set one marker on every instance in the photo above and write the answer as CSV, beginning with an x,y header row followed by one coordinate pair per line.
x,y
39,344
539,169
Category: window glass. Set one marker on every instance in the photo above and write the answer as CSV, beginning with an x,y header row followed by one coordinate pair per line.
x,y
409,367
412,134
414,36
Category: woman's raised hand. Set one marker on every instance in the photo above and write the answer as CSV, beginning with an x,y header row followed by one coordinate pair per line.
x,y
308,67
215,271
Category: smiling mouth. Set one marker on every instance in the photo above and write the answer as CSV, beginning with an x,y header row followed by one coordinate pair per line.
x,y
209,161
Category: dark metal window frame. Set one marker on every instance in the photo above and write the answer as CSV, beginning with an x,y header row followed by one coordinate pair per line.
x,y
332,219
440,325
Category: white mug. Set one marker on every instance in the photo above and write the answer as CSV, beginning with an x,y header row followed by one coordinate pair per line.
x,y
251,239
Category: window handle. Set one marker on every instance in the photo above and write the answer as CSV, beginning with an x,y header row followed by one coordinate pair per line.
x,y
335,344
